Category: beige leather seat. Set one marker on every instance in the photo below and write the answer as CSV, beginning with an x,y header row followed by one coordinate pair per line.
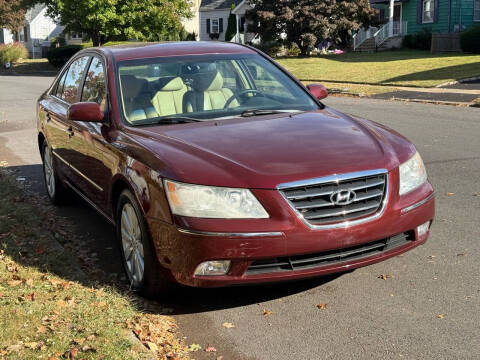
x,y
136,98
169,99
208,93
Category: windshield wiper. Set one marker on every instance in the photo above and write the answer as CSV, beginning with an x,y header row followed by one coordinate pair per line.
x,y
257,112
172,120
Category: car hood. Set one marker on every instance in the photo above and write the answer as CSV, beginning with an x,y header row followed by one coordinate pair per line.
x,y
263,152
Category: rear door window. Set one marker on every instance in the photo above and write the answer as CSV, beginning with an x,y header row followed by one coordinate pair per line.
x,y
74,79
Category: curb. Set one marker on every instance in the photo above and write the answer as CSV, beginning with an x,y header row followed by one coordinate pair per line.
x,y
461,81
434,102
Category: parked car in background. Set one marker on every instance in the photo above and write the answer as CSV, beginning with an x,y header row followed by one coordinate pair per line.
x,y
217,167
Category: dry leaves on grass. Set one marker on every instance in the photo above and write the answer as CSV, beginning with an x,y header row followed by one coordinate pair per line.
x,y
228,325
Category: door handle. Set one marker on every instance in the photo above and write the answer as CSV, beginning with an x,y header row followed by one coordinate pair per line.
x,y
70,132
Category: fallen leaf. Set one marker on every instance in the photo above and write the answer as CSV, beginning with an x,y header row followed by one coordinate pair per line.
x,y
384,276
194,347
88,348
322,306
78,341
462,254
71,354
220,357
449,193
14,348
267,312
440,316
13,283
31,297
29,282
151,346
228,325
210,349
41,329
34,345
476,194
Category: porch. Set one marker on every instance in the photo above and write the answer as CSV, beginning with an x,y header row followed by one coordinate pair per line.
x,y
386,36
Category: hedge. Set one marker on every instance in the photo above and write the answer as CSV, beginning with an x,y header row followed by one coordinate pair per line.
x,y
470,40
60,55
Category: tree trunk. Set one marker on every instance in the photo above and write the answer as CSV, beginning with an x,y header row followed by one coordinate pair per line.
x,y
96,38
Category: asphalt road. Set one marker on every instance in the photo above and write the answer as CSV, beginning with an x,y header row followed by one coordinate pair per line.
x,y
428,309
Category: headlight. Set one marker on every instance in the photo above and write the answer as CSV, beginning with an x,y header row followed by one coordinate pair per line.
x,y
213,202
412,174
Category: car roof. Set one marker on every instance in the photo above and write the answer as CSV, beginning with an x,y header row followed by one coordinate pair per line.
x,y
131,51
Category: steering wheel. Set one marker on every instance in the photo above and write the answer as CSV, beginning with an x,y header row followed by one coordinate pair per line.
x,y
239,95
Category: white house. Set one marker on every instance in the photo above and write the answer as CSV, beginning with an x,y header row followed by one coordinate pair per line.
x,y
35,35
213,19
192,25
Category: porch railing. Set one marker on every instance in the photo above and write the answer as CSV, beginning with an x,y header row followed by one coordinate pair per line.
x,y
380,35
361,35
399,28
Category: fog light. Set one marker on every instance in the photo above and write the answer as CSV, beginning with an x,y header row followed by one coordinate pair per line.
x,y
215,267
423,229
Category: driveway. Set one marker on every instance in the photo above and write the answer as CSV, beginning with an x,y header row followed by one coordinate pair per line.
x,y
427,308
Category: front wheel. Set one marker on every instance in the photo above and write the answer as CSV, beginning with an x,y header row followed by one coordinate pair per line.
x,y
138,254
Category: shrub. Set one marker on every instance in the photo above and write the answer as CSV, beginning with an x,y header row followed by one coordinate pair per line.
x,y
421,40
56,42
59,56
470,40
293,50
11,53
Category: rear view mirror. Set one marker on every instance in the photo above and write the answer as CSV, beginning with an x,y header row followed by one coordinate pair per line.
x,y
85,111
318,90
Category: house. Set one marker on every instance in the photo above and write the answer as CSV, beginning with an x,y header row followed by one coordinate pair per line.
x,y
192,25
404,17
213,20
36,33
443,16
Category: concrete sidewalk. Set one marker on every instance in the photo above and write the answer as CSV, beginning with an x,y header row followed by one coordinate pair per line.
x,y
466,94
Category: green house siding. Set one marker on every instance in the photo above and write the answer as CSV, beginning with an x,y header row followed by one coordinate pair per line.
x,y
461,15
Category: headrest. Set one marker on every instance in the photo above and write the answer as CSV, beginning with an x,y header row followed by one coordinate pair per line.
x,y
211,81
171,84
132,86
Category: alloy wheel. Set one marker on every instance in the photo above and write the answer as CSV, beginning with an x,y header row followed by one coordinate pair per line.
x,y
49,173
132,244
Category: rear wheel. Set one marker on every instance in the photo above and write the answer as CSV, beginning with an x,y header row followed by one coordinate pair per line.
x,y
138,254
56,191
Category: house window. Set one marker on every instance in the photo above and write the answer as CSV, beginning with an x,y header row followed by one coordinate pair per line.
x,y
428,11
215,26
76,36
476,11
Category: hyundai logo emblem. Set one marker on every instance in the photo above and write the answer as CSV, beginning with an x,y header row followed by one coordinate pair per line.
x,y
343,197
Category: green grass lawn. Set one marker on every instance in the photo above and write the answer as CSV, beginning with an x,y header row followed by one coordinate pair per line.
x,y
397,68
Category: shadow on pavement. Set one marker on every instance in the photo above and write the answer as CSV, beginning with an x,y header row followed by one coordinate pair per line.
x,y
95,236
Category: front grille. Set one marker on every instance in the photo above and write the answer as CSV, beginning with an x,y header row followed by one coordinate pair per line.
x,y
332,257
314,201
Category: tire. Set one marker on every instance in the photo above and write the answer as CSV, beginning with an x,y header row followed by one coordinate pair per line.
x,y
56,191
136,248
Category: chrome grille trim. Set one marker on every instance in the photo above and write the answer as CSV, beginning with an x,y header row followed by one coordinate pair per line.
x,y
287,190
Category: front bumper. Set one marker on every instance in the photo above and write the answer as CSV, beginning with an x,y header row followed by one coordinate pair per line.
x,y
182,246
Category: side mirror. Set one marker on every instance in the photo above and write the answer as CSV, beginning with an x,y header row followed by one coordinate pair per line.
x,y
85,111
318,90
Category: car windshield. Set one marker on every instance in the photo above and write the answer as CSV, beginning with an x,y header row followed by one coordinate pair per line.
x,y
206,87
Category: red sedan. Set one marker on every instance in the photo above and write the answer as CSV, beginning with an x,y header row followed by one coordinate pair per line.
x,y
218,167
